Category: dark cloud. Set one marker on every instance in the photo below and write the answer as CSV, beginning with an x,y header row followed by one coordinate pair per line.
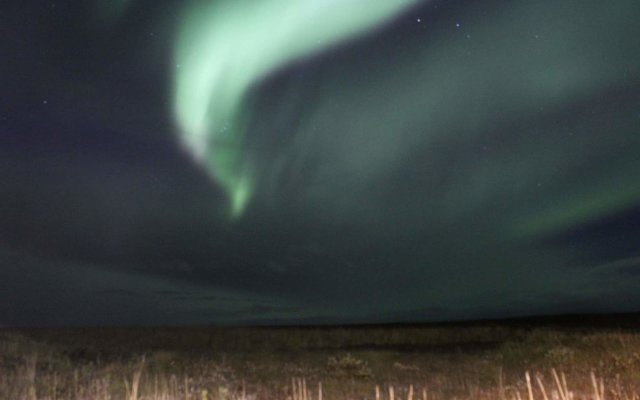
x,y
120,292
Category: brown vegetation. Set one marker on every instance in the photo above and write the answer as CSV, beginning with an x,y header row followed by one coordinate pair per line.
x,y
473,361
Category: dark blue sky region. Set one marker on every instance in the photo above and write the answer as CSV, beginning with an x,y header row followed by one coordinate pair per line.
x,y
235,162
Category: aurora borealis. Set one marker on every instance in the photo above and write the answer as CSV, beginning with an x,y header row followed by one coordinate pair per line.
x,y
396,160
227,46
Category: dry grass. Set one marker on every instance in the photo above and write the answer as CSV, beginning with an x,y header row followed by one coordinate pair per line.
x,y
384,363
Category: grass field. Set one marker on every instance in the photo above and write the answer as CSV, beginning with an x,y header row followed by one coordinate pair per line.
x,y
565,358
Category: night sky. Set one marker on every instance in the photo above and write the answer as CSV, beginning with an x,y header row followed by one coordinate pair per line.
x,y
317,161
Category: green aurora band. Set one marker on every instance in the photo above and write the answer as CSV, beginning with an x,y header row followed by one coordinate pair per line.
x,y
226,47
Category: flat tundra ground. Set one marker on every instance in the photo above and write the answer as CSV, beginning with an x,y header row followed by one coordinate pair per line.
x,y
570,359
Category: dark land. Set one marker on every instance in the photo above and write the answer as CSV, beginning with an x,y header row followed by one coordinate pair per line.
x,y
565,357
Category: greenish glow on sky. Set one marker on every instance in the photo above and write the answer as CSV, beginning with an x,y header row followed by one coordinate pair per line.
x,y
226,47
469,159
110,10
